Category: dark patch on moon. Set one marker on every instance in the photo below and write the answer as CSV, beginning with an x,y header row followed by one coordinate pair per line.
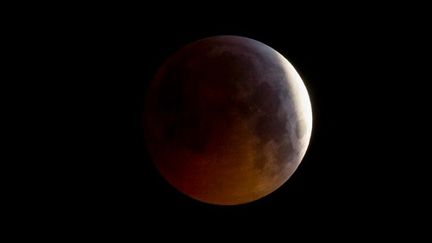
x,y
300,129
285,152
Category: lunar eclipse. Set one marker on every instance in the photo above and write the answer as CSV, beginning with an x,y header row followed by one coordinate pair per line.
x,y
227,120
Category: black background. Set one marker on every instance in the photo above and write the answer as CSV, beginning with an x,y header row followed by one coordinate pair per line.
x,y
357,176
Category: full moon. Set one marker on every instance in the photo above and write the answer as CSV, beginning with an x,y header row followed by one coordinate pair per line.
x,y
227,120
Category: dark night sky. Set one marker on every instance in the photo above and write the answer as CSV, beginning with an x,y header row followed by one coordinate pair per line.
x,y
103,64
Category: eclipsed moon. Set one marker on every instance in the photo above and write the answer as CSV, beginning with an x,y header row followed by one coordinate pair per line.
x,y
228,120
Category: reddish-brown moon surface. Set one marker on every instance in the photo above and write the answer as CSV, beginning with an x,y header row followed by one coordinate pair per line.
x,y
228,120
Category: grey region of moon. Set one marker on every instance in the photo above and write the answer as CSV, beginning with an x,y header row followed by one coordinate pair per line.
x,y
228,120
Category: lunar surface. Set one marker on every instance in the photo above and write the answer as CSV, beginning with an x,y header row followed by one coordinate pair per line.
x,y
228,120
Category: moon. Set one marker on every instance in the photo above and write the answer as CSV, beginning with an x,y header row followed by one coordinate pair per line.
x,y
227,120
